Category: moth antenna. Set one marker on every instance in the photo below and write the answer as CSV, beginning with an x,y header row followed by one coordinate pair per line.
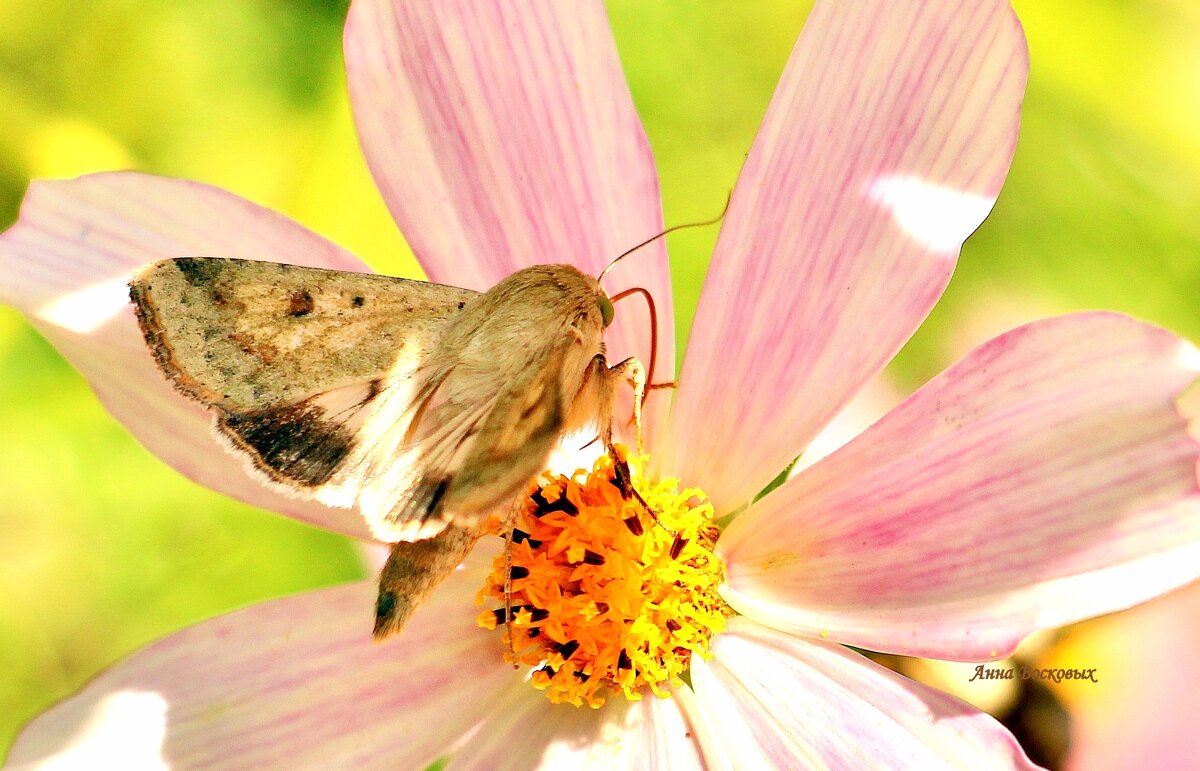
x,y
668,231
653,329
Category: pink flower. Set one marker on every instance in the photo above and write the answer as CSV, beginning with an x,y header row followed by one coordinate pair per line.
x,y
1047,477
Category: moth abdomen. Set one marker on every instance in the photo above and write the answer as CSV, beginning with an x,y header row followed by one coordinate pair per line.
x,y
412,571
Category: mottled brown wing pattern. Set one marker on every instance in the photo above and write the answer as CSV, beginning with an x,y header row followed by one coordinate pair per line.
x,y
292,360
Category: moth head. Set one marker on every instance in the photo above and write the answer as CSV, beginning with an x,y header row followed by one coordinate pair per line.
x,y
606,309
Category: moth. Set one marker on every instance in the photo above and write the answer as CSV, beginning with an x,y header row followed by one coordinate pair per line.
x,y
428,407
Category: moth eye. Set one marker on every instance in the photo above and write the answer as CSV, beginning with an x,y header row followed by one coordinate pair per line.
x,y
606,310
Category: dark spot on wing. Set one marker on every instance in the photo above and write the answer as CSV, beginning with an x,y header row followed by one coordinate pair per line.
x,y
435,497
296,441
426,501
301,304
199,271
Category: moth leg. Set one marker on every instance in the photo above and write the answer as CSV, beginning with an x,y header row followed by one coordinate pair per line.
x,y
508,568
632,372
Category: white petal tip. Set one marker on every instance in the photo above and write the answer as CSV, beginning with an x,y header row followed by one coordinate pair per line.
x,y
1188,356
125,729
86,310
935,216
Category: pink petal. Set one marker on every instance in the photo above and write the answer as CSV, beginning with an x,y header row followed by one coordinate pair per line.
x,y
66,262
1147,703
533,733
885,145
503,135
296,682
769,700
1047,477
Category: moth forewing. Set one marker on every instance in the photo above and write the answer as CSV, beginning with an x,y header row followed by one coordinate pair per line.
x,y
243,335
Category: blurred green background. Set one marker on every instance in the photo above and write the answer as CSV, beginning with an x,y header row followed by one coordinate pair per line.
x,y
102,548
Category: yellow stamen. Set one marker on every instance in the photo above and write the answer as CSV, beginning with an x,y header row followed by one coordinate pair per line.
x,y
605,595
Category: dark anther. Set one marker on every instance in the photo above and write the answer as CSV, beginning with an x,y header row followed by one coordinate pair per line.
x,y
635,525
592,558
623,661
673,625
499,612
520,536
544,507
622,478
518,572
567,649
677,546
540,503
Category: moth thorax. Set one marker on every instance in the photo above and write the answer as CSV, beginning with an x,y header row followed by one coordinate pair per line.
x,y
613,584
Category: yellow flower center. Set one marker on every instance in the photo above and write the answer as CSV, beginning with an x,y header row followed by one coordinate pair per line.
x,y
613,583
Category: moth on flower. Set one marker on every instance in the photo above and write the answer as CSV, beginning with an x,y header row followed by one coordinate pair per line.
x,y
428,407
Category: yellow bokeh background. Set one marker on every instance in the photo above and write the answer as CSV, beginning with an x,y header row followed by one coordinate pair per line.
x,y
103,549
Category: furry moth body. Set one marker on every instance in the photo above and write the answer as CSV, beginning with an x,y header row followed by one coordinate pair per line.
x,y
427,406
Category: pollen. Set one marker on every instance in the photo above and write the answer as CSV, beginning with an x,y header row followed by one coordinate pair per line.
x,y
610,584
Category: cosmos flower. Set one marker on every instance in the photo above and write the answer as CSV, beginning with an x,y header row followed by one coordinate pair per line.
x,y
1047,477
